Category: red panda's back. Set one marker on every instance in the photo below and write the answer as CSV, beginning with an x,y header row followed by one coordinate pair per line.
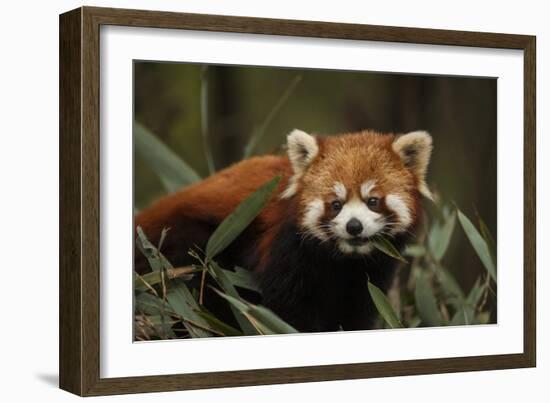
x,y
195,210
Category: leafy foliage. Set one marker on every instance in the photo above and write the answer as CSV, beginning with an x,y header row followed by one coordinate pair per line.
x,y
432,297
168,304
172,171
237,222
165,295
383,305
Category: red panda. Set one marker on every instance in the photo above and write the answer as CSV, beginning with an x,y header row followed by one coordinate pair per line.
x,y
310,247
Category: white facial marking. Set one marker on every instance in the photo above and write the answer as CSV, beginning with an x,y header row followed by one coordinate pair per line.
x,y
367,187
396,204
340,191
372,222
364,249
312,215
346,247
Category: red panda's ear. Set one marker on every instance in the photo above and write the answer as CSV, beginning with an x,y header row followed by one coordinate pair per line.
x,y
302,149
415,149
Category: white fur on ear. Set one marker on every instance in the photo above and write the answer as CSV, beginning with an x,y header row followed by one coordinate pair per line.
x,y
415,149
302,149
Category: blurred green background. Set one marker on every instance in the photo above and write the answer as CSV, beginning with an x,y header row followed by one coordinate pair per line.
x,y
459,112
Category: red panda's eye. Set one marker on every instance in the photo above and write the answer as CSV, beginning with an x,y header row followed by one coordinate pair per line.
x,y
336,205
373,203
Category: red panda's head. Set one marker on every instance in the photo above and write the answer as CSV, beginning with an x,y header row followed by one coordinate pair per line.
x,y
354,186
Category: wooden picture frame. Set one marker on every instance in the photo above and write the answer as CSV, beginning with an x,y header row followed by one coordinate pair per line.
x,y
80,199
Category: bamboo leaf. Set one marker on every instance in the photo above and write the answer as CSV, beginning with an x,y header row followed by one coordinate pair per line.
x,y
149,304
383,306
476,293
440,237
185,305
479,244
483,318
382,244
449,283
148,325
153,278
158,320
225,283
259,132
171,169
268,318
426,304
149,250
491,244
236,222
179,297
218,325
414,250
263,319
242,278
465,315
163,234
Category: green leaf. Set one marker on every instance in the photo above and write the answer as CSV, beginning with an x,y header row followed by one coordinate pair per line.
x,y
259,132
483,318
155,277
157,324
179,297
218,325
149,304
491,244
415,322
159,320
426,304
440,236
163,234
225,283
263,319
183,303
383,306
236,222
171,169
449,283
242,278
415,250
465,315
479,244
149,250
476,293
267,317
382,244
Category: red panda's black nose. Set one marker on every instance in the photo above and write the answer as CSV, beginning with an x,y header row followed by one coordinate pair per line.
x,y
354,227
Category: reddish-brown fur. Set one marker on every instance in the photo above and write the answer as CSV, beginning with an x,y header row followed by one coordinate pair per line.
x,y
296,272
347,158
353,158
210,201
216,196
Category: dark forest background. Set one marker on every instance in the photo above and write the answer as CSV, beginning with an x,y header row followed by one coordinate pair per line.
x,y
459,112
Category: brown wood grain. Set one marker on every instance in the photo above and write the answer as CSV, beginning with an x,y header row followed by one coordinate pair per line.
x,y
70,318
80,194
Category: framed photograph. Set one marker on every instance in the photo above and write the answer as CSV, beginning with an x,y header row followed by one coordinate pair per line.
x,y
249,201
